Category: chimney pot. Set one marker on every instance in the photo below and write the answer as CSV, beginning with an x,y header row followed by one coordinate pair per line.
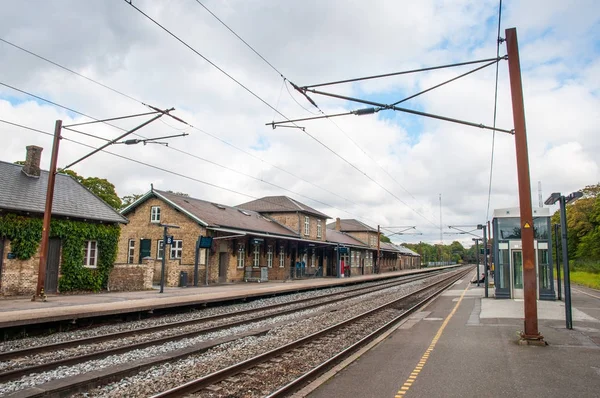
x,y
32,161
338,224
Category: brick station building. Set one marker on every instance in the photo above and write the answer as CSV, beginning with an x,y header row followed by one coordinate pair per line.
x,y
22,204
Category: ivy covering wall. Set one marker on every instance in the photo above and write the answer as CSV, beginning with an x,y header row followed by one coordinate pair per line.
x,y
25,234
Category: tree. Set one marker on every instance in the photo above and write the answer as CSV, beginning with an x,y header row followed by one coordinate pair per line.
x,y
20,162
101,187
129,199
384,238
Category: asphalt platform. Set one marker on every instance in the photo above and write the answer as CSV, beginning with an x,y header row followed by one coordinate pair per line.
x,y
464,345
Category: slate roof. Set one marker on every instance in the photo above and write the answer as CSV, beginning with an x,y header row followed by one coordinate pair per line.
x,y
352,225
19,192
389,247
334,236
217,215
406,250
280,204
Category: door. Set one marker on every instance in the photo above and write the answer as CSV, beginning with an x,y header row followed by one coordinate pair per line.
x,y
1,258
52,265
517,274
223,262
145,245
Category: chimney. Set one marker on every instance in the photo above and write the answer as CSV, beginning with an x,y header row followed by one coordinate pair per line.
x,y
338,224
32,161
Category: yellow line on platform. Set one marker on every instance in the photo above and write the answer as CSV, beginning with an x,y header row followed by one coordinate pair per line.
x,y
413,375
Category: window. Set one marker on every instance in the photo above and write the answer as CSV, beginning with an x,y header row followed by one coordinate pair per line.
x,y
160,250
319,231
131,252
241,254
256,256
155,214
270,256
306,225
281,257
372,239
176,249
313,258
90,254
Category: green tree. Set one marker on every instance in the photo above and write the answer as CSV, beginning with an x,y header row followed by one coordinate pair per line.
x,y
101,187
129,199
384,238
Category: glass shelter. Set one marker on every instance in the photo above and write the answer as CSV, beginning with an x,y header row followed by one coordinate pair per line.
x,y
508,253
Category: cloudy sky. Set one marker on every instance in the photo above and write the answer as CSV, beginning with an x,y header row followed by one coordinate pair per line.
x,y
388,168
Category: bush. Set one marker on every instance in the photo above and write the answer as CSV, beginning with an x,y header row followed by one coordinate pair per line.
x,y
592,266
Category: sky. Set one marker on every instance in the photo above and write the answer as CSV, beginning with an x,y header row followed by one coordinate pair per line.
x,y
387,168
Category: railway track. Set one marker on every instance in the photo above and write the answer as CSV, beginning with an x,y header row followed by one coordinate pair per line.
x,y
15,363
279,372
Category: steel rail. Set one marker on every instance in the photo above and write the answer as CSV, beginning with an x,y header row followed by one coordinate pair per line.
x,y
215,377
16,373
319,369
111,336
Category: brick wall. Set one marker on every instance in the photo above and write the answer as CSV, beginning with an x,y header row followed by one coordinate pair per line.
x,y
130,277
295,221
140,227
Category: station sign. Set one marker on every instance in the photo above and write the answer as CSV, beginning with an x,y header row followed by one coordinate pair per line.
x,y
205,242
343,250
169,239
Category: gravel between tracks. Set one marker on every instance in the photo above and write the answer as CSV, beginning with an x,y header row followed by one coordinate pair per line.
x,y
28,342
163,377
41,358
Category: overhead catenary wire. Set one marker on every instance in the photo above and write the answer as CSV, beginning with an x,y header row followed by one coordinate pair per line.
x,y
425,69
180,174
498,41
285,80
273,108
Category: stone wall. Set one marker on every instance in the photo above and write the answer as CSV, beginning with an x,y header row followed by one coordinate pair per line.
x,y
19,277
130,277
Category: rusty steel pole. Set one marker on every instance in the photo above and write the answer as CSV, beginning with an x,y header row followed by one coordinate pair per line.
x,y
48,211
529,279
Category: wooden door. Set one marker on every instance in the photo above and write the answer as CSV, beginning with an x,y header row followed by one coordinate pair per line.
x,y
223,265
145,245
52,266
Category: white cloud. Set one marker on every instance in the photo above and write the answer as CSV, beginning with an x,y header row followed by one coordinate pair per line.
x,y
312,42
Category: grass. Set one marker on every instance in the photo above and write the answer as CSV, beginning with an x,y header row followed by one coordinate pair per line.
x,y
586,279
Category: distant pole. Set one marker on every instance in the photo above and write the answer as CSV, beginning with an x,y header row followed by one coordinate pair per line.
x,y
556,226
477,254
441,234
531,331
378,247
565,255
485,260
207,269
48,211
164,256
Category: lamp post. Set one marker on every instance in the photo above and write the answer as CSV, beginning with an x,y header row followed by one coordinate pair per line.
x,y
476,240
563,201
556,226
164,256
485,256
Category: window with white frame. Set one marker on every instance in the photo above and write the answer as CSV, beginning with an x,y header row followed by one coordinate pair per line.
x,y
319,230
90,254
131,252
155,214
281,257
306,225
160,249
313,258
270,256
241,254
372,238
176,249
256,255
